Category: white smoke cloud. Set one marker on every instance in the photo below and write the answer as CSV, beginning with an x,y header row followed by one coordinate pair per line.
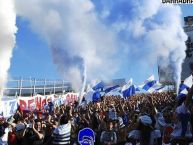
x,y
7,38
167,39
151,31
75,36
92,32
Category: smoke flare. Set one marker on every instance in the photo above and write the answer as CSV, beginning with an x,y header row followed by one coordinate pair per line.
x,y
83,85
75,36
7,39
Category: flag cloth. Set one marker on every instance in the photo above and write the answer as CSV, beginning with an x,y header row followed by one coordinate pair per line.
x,y
186,85
113,93
181,96
111,88
127,92
126,86
184,92
128,89
188,81
161,90
118,89
98,86
136,88
148,83
182,87
89,95
96,96
157,87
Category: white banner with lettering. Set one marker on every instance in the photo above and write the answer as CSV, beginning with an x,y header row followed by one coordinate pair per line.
x,y
8,107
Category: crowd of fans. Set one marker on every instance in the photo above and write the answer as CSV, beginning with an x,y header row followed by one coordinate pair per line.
x,y
145,119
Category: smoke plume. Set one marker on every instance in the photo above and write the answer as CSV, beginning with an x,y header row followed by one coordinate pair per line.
x,y
7,39
151,30
83,85
75,36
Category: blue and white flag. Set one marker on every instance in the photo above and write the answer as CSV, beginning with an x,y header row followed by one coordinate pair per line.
x,y
96,96
157,87
118,89
185,92
183,88
188,81
114,93
136,88
98,86
128,89
150,82
111,88
187,84
126,86
182,94
89,93
161,89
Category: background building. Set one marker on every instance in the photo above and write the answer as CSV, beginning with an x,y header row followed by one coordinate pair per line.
x,y
187,67
30,86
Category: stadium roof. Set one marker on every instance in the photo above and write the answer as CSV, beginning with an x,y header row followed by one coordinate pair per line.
x,y
56,87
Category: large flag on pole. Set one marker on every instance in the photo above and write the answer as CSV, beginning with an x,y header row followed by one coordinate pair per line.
x,y
128,89
183,88
136,88
96,96
115,92
182,94
150,82
187,84
157,87
188,81
130,82
98,86
89,95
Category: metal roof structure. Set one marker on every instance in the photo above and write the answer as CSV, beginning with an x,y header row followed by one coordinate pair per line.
x,y
30,86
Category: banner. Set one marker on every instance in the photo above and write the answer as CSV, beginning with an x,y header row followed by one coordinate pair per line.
x,y
32,103
8,107
70,98
38,102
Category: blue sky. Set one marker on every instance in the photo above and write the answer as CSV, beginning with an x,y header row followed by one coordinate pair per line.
x,y
32,56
